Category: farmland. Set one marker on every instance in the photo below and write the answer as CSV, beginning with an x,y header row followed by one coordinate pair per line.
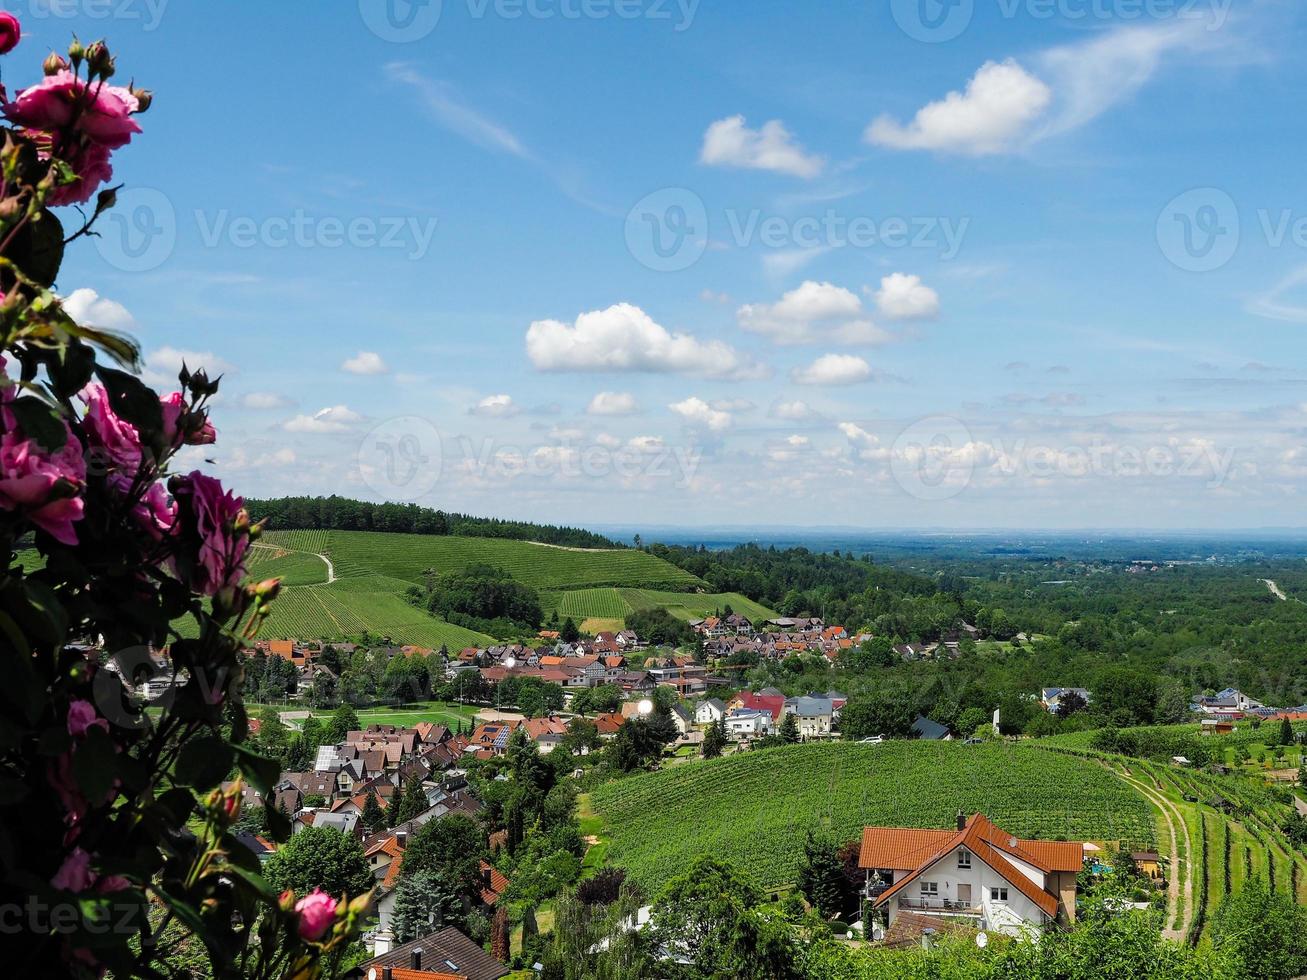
x,y
338,585
617,604
754,808
1214,851
407,556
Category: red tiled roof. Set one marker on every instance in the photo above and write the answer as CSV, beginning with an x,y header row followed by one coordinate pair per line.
x,y
983,839
406,974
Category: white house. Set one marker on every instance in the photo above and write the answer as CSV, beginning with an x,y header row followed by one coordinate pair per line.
x,y
813,715
1051,697
747,722
976,872
709,711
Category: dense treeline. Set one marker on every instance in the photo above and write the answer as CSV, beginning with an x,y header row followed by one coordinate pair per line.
x,y
343,514
481,597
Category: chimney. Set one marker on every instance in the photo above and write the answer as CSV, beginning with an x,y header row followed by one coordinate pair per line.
x,y
927,938
386,973
383,942
485,877
962,820
401,838
415,959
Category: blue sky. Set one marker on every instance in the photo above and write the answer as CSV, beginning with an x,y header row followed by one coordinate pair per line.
x,y
1026,263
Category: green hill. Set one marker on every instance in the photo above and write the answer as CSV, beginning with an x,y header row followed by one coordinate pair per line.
x,y
340,584
754,809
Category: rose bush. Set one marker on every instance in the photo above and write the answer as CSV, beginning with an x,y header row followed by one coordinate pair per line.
x,y
113,820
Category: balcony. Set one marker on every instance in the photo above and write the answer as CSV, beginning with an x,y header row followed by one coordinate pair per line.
x,y
940,905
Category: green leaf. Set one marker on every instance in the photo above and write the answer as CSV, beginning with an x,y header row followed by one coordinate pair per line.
x,y
38,249
41,421
132,400
203,762
95,765
261,771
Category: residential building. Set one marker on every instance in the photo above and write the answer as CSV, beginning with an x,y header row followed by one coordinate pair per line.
x,y
977,872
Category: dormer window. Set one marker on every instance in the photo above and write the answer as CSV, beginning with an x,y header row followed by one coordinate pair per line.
x,y
964,860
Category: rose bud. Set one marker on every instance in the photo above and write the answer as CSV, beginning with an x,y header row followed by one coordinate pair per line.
x,y
10,32
54,63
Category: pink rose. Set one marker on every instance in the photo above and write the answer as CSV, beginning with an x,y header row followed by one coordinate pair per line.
x,y
91,165
42,485
156,512
11,32
82,717
212,511
174,406
105,117
75,874
116,442
316,910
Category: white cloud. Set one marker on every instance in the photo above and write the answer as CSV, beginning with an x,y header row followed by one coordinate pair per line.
x,y
1093,76
336,418
1001,103
495,406
365,362
868,446
1279,302
164,364
832,369
730,143
696,411
813,312
89,308
625,338
262,401
448,110
733,405
794,411
903,297
779,264
612,403
709,296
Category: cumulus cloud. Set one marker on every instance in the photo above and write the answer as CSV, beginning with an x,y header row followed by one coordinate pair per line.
x,y
336,418
164,364
263,401
495,406
832,369
1001,103
730,143
89,308
365,362
904,297
612,403
698,412
625,338
813,312
794,411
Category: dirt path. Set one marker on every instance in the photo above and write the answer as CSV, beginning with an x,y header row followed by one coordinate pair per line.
x,y
1275,589
331,569
1175,826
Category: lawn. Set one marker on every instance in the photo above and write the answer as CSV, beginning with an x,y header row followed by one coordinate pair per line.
x,y
441,712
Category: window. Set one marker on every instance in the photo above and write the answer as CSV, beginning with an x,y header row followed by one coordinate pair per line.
x,y
998,894
964,860
930,888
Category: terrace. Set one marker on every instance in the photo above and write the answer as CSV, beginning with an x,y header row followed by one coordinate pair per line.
x,y
939,905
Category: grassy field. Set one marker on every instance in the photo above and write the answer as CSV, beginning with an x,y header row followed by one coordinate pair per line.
x,y
407,556
340,584
441,712
613,605
754,808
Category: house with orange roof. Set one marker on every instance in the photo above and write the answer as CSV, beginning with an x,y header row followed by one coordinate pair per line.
x,y
976,872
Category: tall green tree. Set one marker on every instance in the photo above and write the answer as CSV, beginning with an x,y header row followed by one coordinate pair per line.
x,y
343,721
821,876
424,902
789,731
373,816
710,916
714,739
412,802
320,857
